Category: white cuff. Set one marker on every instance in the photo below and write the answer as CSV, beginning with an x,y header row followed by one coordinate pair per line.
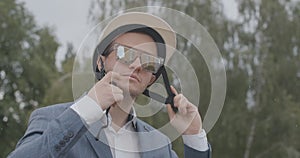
x,y
197,141
88,110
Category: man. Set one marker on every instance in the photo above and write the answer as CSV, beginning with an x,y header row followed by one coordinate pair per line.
x,y
103,123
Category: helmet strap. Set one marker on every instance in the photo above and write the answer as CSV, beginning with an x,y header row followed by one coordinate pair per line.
x,y
157,97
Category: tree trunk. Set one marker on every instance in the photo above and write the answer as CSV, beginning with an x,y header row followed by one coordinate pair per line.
x,y
250,138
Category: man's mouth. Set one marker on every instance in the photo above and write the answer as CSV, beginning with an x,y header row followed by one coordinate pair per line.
x,y
133,77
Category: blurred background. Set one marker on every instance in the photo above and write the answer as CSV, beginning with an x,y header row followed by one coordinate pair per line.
x,y
258,39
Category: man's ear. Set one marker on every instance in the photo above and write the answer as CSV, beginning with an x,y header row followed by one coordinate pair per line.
x,y
99,64
152,80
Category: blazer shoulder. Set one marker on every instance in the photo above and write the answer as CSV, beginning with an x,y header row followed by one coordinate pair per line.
x,y
51,110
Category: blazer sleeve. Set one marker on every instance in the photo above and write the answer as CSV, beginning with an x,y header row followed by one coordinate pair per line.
x,y
49,134
191,153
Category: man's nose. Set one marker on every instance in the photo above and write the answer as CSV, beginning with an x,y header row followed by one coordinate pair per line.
x,y
136,64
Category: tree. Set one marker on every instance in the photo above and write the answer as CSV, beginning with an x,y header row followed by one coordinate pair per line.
x,y
55,93
27,65
264,72
267,29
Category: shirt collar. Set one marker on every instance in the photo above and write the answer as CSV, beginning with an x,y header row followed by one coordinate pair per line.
x,y
132,118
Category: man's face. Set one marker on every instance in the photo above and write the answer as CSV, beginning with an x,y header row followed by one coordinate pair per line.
x,y
137,79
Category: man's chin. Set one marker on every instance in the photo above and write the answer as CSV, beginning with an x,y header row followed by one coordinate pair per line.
x,y
134,92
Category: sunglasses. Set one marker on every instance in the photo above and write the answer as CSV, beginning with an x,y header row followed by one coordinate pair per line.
x,y
127,55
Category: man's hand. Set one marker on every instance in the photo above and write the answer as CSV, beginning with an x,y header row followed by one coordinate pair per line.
x,y
187,120
105,92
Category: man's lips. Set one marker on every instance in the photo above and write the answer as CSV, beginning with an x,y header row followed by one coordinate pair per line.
x,y
133,76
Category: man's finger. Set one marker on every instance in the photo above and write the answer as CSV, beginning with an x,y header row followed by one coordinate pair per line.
x,y
182,107
113,83
170,111
118,97
116,89
174,90
111,77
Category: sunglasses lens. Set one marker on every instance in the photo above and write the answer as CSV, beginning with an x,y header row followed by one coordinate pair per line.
x,y
150,63
150,67
128,55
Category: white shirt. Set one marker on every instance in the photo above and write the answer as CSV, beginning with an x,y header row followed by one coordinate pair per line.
x,y
124,143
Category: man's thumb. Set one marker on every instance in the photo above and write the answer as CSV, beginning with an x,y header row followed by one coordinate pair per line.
x,y
170,111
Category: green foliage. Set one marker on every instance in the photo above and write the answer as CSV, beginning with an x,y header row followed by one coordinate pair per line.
x,y
55,93
27,65
261,116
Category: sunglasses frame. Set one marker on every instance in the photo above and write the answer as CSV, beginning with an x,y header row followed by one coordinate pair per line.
x,y
139,54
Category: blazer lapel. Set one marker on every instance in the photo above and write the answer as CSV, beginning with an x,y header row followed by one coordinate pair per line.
x,y
100,146
142,130
151,142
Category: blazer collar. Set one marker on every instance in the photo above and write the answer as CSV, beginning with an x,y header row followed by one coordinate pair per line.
x,y
132,118
150,140
152,143
99,145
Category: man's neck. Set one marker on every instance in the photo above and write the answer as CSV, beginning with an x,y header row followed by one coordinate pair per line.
x,y
119,112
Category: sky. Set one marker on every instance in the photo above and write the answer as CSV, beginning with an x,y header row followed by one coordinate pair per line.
x,y
70,22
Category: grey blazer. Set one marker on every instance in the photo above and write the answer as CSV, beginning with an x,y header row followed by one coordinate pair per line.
x,y
57,131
